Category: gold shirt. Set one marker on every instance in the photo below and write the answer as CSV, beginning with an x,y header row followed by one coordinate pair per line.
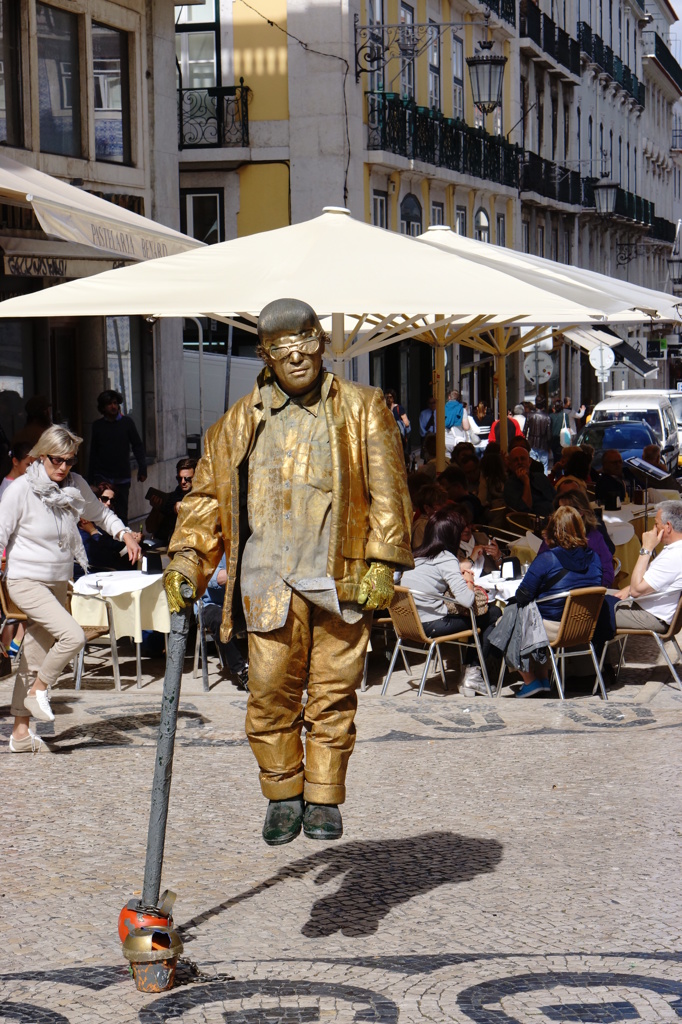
x,y
289,508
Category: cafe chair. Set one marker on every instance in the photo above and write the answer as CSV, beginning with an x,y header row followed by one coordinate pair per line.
x,y
523,521
203,637
670,636
411,637
574,636
10,611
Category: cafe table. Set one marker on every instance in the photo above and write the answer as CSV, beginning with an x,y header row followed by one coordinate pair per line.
x,y
138,602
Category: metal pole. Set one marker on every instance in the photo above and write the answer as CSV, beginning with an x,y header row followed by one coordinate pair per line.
x,y
439,395
163,765
200,329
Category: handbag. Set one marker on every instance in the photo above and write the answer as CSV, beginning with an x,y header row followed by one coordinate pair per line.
x,y
565,434
480,603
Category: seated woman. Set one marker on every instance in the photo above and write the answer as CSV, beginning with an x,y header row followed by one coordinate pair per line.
x,y
437,575
597,535
493,476
567,565
103,551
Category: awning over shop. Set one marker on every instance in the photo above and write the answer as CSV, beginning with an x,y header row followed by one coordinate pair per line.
x,y
75,215
589,338
35,257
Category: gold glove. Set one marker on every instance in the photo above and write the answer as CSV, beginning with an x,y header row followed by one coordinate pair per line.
x,y
172,582
376,588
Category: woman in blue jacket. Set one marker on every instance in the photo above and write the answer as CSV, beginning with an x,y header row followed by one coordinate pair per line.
x,y
567,565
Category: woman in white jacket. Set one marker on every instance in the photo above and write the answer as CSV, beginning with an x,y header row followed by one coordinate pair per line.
x,y
39,518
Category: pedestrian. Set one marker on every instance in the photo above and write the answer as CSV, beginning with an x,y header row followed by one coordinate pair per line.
x,y
538,432
513,430
103,550
457,423
573,417
21,459
113,437
401,418
302,485
520,415
39,528
38,419
427,423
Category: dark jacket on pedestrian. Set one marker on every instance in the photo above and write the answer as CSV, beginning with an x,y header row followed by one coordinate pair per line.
x,y
539,431
110,450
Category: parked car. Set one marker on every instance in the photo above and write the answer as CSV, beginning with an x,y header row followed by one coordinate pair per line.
x,y
650,407
628,437
676,402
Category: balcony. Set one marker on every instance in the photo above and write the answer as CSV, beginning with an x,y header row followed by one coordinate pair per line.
x,y
664,58
215,117
610,63
530,21
417,133
550,180
663,229
633,208
505,9
553,41
676,142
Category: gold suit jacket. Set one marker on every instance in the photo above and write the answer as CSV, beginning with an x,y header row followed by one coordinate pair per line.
x,y
371,511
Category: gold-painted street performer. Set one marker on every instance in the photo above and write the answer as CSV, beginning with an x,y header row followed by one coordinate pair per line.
x,y
302,485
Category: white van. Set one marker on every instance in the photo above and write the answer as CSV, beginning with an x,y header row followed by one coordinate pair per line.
x,y
654,408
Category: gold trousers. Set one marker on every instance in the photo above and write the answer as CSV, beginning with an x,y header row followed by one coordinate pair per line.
x,y
320,651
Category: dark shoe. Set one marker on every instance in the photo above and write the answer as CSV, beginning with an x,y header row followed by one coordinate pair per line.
x,y
322,821
243,678
283,820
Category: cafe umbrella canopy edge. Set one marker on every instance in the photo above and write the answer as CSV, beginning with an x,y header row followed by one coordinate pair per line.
x,y
342,267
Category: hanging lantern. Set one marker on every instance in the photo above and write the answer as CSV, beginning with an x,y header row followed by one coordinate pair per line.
x,y
486,74
605,192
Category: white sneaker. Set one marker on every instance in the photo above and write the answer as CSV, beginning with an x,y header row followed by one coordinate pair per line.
x,y
473,682
30,744
38,705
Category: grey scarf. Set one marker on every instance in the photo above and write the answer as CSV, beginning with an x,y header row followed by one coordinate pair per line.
x,y
66,504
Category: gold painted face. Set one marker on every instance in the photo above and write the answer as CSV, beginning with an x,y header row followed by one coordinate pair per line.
x,y
296,361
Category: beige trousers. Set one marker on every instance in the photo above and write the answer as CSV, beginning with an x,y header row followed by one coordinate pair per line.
x,y
48,621
317,651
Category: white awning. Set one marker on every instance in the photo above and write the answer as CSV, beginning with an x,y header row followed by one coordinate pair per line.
x,y
590,338
76,215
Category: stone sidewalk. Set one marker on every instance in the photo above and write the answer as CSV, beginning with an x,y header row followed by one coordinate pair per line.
x,y
503,860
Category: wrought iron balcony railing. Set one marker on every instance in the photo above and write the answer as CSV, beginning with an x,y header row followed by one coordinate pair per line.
x,y
505,9
214,117
549,36
664,57
398,126
604,57
530,21
550,180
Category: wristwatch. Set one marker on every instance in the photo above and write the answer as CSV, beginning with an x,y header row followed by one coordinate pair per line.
x,y
644,551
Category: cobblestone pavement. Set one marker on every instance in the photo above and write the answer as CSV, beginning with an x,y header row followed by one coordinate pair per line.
x,y
503,861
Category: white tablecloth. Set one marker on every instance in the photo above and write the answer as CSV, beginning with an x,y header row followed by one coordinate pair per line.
x,y
499,589
138,601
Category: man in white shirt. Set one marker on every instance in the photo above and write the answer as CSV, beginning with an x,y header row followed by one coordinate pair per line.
x,y
655,586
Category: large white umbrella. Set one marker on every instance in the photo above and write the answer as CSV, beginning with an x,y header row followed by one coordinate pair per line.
x,y
561,279
388,283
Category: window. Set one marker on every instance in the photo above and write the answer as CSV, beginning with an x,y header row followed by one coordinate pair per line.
x,y
375,16
555,123
434,66
58,81
634,167
438,213
627,165
567,119
112,101
541,241
523,98
500,230
578,122
567,246
125,366
379,209
555,245
202,214
202,12
457,78
525,236
539,118
11,126
407,62
411,215
498,119
620,159
461,220
196,55
481,226
627,41
589,145
611,152
602,151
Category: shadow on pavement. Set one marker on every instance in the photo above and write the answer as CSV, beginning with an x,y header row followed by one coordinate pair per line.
x,y
375,877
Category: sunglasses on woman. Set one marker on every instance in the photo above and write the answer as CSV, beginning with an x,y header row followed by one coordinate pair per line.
x,y
57,460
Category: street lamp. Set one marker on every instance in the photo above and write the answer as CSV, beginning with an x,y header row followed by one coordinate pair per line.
x,y
605,192
486,73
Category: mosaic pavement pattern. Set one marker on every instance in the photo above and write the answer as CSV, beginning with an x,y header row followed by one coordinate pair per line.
x,y
503,861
